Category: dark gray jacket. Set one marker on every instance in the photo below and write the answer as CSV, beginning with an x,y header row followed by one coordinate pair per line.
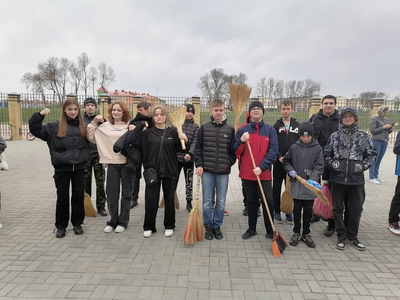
x,y
308,161
190,128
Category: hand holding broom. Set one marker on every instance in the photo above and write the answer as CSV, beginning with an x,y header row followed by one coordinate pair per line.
x,y
317,192
177,119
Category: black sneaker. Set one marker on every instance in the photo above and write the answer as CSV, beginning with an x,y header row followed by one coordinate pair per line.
x,y
209,235
341,243
329,231
295,239
102,212
245,211
134,203
60,233
78,230
189,206
248,234
218,234
269,235
306,238
356,243
315,219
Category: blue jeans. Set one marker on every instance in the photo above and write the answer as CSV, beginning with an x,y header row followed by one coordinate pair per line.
x,y
380,147
210,181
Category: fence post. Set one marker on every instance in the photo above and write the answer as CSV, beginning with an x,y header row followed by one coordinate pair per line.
x,y
315,106
136,100
376,102
105,100
15,115
72,97
197,109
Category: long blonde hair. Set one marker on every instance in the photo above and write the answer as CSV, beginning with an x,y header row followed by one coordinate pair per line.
x,y
63,126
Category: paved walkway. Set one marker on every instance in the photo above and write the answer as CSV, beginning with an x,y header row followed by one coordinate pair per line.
x,y
36,265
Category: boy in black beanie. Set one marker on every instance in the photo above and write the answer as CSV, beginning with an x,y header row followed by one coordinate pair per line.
x,y
306,159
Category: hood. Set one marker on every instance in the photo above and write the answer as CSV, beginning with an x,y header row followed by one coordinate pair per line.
x,y
313,143
348,109
380,110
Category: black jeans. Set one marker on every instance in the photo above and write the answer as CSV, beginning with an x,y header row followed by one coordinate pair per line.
x,y
136,182
253,195
188,168
351,198
395,205
62,181
279,175
152,197
307,207
118,175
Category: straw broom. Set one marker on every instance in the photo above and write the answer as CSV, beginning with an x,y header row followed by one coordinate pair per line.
x,y
278,242
89,209
287,200
240,94
177,119
317,192
176,201
194,230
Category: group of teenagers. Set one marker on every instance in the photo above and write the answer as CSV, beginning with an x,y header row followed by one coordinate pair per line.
x,y
328,149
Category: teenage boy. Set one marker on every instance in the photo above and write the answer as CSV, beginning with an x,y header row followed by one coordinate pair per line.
x,y
325,122
348,154
213,158
264,143
185,160
142,115
305,158
90,106
287,130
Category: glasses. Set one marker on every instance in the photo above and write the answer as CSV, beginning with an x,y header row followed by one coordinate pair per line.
x,y
256,108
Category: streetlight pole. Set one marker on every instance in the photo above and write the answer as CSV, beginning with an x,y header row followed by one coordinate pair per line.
x,y
156,89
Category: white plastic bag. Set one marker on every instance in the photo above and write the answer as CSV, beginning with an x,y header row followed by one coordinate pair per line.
x,y
3,163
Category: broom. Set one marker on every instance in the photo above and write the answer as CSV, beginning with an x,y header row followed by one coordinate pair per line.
x,y
287,200
177,119
176,201
240,94
278,242
316,191
89,209
194,230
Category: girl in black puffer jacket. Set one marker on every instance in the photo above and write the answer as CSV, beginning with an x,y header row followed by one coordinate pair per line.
x,y
69,151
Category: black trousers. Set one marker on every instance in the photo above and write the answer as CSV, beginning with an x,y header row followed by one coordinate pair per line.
x,y
62,181
253,195
136,182
188,169
279,175
395,205
306,206
152,197
118,175
244,195
350,198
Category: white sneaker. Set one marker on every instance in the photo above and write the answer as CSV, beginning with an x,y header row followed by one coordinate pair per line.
x,y
381,180
169,232
374,181
119,229
108,229
147,233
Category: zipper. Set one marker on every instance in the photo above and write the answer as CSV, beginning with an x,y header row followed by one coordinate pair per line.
x,y
217,146
347,160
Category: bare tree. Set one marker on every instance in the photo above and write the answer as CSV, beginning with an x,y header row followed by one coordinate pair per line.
x,y
262,88
83,62
51,74
106,75
93,78
271,88
279,87
76,77
36,81
366,98
64,68
213,85
311,88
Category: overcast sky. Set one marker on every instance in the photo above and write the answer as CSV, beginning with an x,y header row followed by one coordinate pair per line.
x,y
348,46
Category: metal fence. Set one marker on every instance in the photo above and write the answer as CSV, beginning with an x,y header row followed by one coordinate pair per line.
x,y
31,103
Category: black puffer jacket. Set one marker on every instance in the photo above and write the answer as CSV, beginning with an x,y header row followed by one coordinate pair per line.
x,y
67,154
190,128
214,147
324,126
348,154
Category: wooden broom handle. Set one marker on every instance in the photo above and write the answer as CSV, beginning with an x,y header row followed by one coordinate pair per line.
x,y
287,186
261,188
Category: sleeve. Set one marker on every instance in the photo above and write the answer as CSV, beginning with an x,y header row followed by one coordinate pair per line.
x,y
177,141
287,161
36,127
272,152
276,128
198,151
329,152
145,148
3,144
232,156
238,145
91,130
193,142
396,148
374,127
318,166
370,154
